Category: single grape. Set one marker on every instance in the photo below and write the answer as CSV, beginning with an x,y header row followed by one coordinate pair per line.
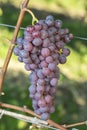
x,y
45,116
37,111
38,96
49,59
42,103
54,81
40,88
23,53
60,44
16,51
37,41
32,89
62,59
44,34
33,66
46,42
20,59
27,67
48,98
52,66
58,23
30,29
41,82
45,52
38,27
28,46
52,31
46,71
44,109
66,51
27,60
44,64
40,74
36,34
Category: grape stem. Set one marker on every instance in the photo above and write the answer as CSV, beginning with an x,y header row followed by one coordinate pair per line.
x,y
10,50
33,16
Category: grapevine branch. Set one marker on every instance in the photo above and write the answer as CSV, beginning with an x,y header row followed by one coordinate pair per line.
x,y
23,109
11,47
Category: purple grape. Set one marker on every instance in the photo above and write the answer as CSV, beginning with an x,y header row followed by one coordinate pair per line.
x,y
19,40
41,58
45,116
33,66
49,20
38,96
30,29
16,51
42,103
41,82
37,41
36,34
38,27
58,23
27,67
27,60
28,46
62,59
60,44
49,59
44,109
43,64
40,74
48,98
52,90
28,37
54,81
37,111
32,89
46,42
52,39
44,34
23,53
66,51
52,31
57,38
33,77
20,59
40,89
35,103
52,66
45,52
46,71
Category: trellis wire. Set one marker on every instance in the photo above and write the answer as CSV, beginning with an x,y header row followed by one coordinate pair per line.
x,y
22,28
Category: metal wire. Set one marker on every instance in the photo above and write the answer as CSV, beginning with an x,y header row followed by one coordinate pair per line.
x,y
10,26
22,28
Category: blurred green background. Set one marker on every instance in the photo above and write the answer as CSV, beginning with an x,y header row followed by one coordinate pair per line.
x,y
71,94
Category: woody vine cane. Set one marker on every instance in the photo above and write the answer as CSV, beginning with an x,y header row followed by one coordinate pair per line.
x,y
10,50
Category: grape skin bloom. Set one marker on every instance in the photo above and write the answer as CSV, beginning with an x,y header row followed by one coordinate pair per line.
x,y
42,49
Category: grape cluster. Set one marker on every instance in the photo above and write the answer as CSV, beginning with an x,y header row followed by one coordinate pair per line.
x,y
42,49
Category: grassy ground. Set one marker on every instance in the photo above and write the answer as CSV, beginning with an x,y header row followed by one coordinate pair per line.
x,y
71,94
